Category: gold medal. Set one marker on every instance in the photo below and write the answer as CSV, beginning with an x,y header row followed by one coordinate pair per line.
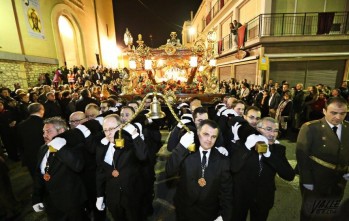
x,y
115,173
202,182
47,177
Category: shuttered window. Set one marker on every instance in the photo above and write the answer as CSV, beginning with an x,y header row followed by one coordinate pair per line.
x,y
246,71
308,72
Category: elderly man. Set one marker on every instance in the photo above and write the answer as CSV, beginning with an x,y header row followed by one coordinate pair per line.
x,y
322,153
254,168
204,190
119,180
57,188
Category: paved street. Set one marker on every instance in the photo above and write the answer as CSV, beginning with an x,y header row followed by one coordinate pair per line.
x,y
287,202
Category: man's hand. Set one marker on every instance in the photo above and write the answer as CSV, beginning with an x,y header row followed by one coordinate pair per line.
x,y
219,218
57,143
187,139
309,186
223,151
235,129
184,121
38,207
253,139
132,130
100,204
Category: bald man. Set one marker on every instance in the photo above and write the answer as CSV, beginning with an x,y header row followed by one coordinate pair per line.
x,y
76,118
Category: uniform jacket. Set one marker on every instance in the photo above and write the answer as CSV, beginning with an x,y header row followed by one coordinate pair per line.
x,y
316,138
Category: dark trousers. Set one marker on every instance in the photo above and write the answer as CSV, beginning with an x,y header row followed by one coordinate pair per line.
x,y
74,214
257,213
125,211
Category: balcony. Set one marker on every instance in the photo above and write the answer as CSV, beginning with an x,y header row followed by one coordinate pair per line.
x,y
217,7
291,25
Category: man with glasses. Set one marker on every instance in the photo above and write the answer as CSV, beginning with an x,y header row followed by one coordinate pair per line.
x,y
255,163
76,118
119,183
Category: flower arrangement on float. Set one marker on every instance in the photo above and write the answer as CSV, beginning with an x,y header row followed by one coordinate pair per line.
x,y
177,87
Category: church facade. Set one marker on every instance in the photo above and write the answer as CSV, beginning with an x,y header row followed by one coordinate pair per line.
x,y
39,36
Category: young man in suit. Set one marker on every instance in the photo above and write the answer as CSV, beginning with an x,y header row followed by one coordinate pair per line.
x,y
204,190
322,153
254,171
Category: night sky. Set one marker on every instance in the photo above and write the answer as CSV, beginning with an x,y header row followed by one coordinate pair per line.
x,y
152,17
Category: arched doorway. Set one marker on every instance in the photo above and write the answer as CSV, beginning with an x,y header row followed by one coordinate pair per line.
x,y
69,42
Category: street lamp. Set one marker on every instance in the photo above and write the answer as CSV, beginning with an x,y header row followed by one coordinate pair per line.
x,y
128,39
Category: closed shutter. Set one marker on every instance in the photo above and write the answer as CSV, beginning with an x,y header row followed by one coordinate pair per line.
x,y
309,73
290,71
329,73
246,71
224,73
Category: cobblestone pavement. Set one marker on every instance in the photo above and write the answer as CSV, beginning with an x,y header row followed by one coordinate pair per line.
x,y
287,197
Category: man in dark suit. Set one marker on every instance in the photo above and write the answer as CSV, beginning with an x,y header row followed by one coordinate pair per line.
x,y
322,153
31,136
204,190
119,181
58,188
274,100
84,100
254,171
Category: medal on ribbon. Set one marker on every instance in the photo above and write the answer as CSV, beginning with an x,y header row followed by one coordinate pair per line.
x,y
115,173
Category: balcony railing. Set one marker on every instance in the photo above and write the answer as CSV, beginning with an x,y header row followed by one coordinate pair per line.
x,y
293,24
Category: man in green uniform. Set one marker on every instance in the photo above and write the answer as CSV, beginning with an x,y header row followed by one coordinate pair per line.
x,y
323,157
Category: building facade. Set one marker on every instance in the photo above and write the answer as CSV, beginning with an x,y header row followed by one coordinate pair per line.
x,y
304,41
39,35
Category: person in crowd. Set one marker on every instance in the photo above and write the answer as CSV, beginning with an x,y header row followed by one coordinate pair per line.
x,y
77,118
317,107
92,111
274,100
119,183
298,106
84,100
344,90
322,153
7,132
58,190
42,97
245,93
264,105
284,114
311,97
23,106
52,107
33,97
240,126
30,136
57,78
254,169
